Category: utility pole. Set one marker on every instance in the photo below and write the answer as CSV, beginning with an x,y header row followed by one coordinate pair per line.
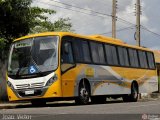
x,y
114,18
138,26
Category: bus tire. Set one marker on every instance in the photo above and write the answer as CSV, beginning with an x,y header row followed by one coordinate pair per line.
x,y
98,99
133,97
134,92
83,93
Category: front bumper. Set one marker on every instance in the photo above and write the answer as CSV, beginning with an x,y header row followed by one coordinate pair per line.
x,y
38,92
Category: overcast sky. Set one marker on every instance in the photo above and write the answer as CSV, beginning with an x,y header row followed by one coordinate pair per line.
x,y
97,24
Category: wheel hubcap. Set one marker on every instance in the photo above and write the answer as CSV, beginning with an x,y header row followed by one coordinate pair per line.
x,y
83,92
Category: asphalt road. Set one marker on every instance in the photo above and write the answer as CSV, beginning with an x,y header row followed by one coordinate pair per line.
x,y
115,110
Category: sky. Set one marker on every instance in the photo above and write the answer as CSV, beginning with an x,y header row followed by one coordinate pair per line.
x,y
88,21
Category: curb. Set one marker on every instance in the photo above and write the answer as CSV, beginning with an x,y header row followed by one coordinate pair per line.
x,y
10,105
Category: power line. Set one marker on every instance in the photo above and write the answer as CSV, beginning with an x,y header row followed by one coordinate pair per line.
x,y
92,11
119,30
81,8
98,14
125,21
121,20
70,9
76,7
145,28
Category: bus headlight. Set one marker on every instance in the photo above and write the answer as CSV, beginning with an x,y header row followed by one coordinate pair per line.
x,y
51,80
10,84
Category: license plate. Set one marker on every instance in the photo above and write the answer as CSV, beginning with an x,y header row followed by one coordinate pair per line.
x,y
29,92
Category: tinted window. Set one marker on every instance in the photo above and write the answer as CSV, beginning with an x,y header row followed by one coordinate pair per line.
x,y
101,53
111,55
133,58
123,56
81,50
86,52
78,52
150,58
142,59
97,52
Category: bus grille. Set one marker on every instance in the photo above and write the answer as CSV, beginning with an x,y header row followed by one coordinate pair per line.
x,y
32,85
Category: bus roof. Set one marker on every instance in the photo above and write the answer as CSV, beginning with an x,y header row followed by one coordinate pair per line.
x,y
91,37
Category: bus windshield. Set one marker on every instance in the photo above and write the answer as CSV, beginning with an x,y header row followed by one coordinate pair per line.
x,y
33,55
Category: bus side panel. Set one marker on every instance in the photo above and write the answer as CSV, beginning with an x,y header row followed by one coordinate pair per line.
x,y
103,80
146,79
70,80
107,80
150,85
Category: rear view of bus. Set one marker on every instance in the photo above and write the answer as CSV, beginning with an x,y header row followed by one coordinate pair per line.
x,y
32,68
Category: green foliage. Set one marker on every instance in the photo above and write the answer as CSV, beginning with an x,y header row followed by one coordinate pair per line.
x,y
2,43
19,18
15,18
59,25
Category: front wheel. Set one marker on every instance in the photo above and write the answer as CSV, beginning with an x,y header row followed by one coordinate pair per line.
x,y
83,94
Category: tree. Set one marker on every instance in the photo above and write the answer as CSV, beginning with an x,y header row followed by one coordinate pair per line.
x,y
59,25
19,17
42,24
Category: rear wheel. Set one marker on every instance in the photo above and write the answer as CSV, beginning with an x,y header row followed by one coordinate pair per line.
x,y
134,93
133,97
83,93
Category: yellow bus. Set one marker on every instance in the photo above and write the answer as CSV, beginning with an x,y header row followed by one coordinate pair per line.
x,y
62,65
